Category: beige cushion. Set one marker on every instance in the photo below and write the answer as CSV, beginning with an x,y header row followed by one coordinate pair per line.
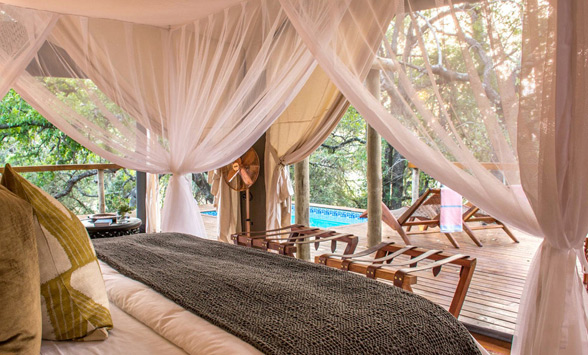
x,y
74,304
20,304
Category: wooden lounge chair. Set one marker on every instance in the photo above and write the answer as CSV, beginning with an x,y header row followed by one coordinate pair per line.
x,y
425,212
473,214
401,273
284,240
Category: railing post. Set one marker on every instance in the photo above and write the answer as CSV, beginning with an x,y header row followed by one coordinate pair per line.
x,y
416,174
101,197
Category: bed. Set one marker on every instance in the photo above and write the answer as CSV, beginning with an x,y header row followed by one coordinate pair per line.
x,y
237,300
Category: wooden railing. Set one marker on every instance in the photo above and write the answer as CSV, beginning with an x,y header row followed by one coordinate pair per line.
x,y
64,167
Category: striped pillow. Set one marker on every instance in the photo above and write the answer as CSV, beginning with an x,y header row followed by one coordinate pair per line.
x,y
74,304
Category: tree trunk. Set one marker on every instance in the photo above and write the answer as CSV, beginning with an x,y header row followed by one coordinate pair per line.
x,y
201,182
397,176
101,196
374,170
388,176
302,197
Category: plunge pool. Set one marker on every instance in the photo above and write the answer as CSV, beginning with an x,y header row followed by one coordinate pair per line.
x,y
323,217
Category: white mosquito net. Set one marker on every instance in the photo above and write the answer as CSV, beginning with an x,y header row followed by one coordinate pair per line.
x,y
179,99
520,158
492,112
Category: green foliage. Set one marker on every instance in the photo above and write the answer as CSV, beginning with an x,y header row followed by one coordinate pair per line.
x,y
337,167
123,209
27,138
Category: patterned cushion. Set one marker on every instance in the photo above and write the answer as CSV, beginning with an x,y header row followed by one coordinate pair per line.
x,y
74,304
20,304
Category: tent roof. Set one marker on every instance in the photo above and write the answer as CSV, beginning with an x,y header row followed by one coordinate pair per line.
x,y
150,12
159,13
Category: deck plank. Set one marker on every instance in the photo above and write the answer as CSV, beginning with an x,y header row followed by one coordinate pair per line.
x,y
494,295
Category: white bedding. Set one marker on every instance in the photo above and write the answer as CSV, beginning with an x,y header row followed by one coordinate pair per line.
x,y
128,337
146,322
181,327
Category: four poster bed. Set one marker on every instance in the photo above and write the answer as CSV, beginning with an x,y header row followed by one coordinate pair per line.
x,y
233,299
178,87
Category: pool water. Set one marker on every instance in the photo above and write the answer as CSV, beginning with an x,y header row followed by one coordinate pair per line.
x,y
322,217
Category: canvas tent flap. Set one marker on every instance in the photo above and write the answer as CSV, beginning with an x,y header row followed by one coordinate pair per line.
x,y
228,207
303,126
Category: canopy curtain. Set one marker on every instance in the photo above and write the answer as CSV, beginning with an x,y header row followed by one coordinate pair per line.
x,y
23,31
452,109
552,146
178,99
298,132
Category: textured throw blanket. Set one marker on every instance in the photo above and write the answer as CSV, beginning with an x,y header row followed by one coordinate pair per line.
x,y
282,305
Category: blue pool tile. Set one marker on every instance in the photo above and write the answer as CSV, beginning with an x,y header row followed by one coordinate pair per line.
x,y
321,217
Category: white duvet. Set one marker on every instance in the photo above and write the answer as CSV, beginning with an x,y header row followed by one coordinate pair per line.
x,y
159,326
146,322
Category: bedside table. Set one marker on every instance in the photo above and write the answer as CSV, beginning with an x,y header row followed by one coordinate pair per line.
x,y
122,227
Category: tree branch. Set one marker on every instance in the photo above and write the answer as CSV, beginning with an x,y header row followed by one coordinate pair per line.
x,y
73,181
446,74
333,148
42,125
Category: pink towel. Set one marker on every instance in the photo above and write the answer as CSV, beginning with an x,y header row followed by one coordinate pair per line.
x,y
451,214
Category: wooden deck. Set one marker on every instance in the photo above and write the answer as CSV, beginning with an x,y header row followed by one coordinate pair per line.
x,y
493,298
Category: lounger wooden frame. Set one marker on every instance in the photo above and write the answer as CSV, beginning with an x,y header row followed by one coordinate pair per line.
x,y
284,240
408,219
400,273
473,214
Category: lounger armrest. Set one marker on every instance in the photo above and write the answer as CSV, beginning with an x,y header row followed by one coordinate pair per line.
x,y
366,252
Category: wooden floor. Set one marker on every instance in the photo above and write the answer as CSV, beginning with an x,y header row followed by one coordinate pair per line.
x,y
493,298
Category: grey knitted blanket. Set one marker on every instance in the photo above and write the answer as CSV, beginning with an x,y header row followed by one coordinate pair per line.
x,y
282,305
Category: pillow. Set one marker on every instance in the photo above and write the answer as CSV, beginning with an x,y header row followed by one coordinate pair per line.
x,y
74,304
20,304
